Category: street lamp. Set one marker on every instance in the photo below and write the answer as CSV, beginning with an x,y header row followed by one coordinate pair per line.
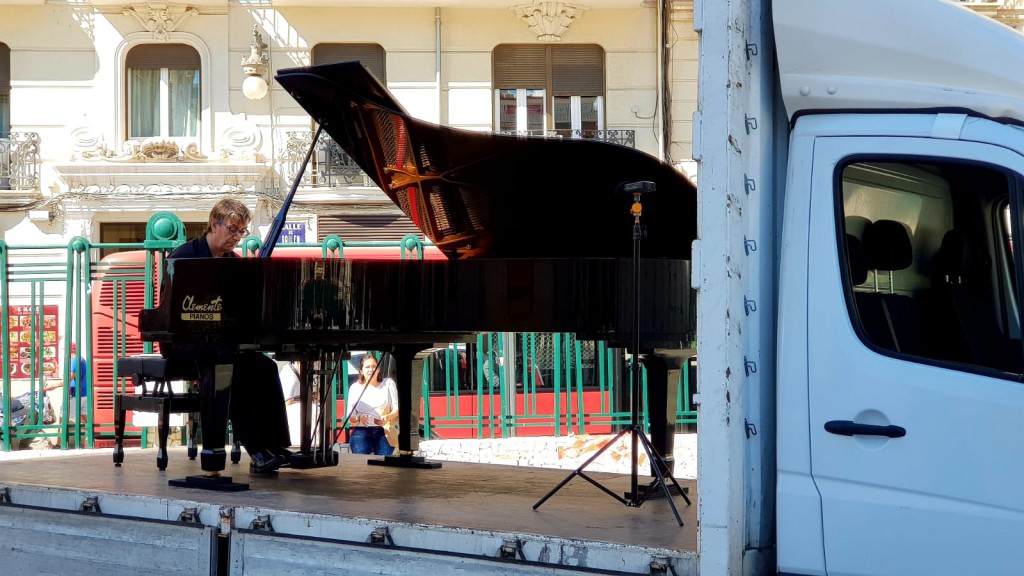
x,y
254,86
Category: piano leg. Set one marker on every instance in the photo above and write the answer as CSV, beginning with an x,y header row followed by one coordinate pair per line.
x,y
214,395
323,429
316,443
409,396
661,422
662,387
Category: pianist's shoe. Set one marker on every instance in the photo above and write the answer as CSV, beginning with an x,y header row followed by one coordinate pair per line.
x,y
263,461
286,455
283,453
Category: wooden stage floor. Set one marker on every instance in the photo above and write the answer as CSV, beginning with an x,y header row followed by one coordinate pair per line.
x,y
475,497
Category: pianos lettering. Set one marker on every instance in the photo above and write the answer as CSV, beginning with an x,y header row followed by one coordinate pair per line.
x,y
191,311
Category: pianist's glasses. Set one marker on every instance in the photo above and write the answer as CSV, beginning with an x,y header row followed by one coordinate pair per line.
x,y
235,231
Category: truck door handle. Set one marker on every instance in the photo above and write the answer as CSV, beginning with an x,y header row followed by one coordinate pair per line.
x,y
849,428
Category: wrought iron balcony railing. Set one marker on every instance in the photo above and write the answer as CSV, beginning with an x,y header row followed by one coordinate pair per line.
x,y
19,161
331,167
623,137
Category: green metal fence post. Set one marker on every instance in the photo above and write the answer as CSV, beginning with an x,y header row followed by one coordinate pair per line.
x,y
5,325
332,246
427,423
412,244
77,313
579,384
557,386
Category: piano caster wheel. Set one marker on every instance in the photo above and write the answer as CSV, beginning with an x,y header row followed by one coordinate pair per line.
x,y
161,463
236,454
193,451
118,455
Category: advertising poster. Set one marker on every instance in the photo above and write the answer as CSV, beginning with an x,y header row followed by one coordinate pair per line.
x,y
23,349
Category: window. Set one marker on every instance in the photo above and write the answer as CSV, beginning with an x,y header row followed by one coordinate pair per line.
x,y
930,267
5,91
330,165
365,227
370,55
163,91
5,117
132,232
541,89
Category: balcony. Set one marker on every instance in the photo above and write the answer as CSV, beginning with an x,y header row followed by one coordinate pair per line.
x,y
159,173
19,168
1008,12
620,137
329,166
332,167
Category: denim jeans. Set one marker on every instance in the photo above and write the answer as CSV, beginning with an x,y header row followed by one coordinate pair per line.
x,y
369,440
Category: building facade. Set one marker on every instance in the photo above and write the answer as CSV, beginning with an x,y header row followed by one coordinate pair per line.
x,y
112,111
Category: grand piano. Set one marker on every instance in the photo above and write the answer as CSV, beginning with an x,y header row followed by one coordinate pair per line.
x,y
538,232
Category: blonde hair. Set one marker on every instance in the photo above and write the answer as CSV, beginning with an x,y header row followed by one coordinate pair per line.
x,y
229,211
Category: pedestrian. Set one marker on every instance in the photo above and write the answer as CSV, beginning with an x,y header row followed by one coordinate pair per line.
x,y
78,385
372,411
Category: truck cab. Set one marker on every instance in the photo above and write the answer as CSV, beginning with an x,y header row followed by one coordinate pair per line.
x,y
898,397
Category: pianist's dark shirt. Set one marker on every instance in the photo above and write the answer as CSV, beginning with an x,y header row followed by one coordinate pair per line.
x,y
195,248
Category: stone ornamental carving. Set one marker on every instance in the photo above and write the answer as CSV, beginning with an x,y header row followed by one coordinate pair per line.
x,y
160,19
241,142
88,147
549,20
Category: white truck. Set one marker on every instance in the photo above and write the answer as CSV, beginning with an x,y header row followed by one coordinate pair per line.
x,y
859,306
860,295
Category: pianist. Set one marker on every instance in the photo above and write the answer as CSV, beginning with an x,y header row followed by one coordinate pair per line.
x,y
254,401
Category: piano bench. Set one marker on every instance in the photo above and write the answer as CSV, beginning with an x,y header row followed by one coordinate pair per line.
x,y
151,376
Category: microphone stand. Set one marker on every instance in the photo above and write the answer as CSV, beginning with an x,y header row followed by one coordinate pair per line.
x,y
634,498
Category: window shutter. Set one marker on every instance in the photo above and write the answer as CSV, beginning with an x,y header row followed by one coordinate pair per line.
x,y
371,56
577,70
520,66
365,227
5,69
154,56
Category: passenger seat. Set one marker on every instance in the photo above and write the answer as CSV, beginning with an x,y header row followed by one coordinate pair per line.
x,y
891,321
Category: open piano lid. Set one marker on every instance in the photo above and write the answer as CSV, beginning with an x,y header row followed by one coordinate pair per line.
x,y
484,194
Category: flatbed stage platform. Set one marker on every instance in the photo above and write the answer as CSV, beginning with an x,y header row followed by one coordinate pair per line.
x,y
464,509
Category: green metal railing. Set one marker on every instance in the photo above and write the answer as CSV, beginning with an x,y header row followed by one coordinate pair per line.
x,y
35,276
553,384
570,396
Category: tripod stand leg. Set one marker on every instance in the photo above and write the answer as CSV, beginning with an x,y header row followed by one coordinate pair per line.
x,y
666,472
579,472
653,456
684,492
